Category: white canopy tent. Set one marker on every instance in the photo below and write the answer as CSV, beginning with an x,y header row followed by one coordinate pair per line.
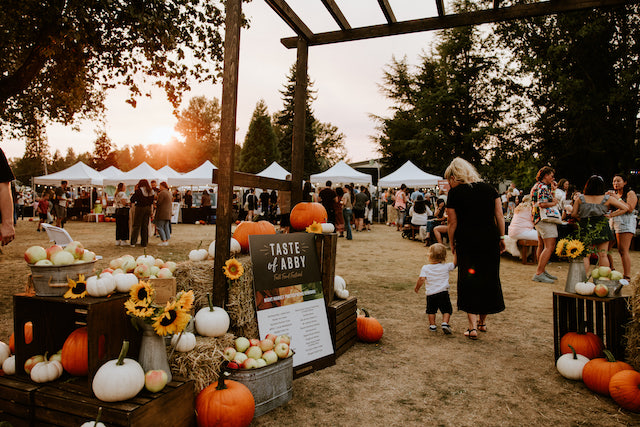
x,y
274,170
142,171
170,173
111,172
410,175
341,173
202,175
78,174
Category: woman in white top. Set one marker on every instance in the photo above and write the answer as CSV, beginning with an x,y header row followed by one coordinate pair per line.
x,y
420,213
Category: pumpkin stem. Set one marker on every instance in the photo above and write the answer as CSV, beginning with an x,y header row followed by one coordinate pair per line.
x,y
98,417
609,356
199,244
573,350
223,373
366,313
123,353
210,302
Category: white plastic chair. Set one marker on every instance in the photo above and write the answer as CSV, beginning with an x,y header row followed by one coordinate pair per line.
x,y
57,235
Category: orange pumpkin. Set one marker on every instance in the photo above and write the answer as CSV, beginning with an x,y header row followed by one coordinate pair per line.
x,y
75,352
368,328
225,403
624,388
587,344
305,213
250,228
597,373
28,336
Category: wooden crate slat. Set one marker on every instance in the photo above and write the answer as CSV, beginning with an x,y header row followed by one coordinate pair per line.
x,y
14,421
13,408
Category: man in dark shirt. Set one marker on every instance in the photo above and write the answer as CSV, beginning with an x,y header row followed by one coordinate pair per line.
x,y
328,198
7,231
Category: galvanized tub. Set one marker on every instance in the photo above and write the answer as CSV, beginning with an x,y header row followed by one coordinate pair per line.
x,y
51,280
270,385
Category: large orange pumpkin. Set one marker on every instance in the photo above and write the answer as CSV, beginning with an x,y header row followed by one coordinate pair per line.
x,y
225,403
597,373
75,352
305,213
368,328
624,388
587,344
28,336
250,228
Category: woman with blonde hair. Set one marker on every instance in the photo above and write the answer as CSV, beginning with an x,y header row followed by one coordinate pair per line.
x,y
476,235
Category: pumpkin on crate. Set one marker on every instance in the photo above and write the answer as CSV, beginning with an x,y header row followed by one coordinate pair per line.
x,y
587,344
46,371
624,388
225,402
250,228
28,336
597,374
119,379
75,352
368,329
304,214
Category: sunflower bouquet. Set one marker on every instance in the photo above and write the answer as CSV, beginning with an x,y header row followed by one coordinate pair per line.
x,y
171,318
570,248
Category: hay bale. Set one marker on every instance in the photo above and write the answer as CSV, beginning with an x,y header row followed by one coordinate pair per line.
x,y
633,328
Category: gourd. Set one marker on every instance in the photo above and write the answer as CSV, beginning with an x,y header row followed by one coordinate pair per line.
x,y
184,342
95,423
211,321
118,379
340,287
5,352
124,282
28,336
304,214
342,293
198,254
624,388
587,344
145,259
225,403
368,328
234,248
249,228
598,372
9,365
570,365
585,288
46,371
101,285
328,227
75,352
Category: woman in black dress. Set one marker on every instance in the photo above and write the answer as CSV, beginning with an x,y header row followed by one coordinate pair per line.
x,y
476,233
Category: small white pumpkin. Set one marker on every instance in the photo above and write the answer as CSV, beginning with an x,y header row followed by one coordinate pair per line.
x,y
119,379
95,423
5,352
145,259
9,365
339,283
101,285
184,342
585,288
342,293
46,371
124,282
198,255
570,365
211,321
234,248
327,227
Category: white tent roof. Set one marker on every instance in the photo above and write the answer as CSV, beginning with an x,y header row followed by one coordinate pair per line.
x,y
341,173
202,175
170,173
111,172
142,171
78,174
274,170
410,175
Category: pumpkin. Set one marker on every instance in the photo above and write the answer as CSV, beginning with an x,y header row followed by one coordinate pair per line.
x,y
119,379
28,336
9,365
184,342
250,228
211,321
225,403
570,365
342,293
5,352
587,344
75,352
304,214
95,423
624,388
585,288
124,282
46,371
145,259
368,328
598,372
234,248
101,285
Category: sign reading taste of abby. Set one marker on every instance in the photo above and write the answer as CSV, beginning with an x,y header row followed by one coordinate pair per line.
x,y
288,292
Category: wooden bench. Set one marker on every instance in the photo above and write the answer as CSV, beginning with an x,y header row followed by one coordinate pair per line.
x,y
527,248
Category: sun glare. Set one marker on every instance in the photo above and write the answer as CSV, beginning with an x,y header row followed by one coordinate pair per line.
x,y
162,135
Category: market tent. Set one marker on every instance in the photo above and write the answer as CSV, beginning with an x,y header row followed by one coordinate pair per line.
x,y
78,174
410,175
170,173
111,172
341,173
142,171
202,175
274,170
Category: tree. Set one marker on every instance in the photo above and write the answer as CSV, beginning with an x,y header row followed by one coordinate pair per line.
x,y
260,147
103,153
59,57
199,123
330,147
139,154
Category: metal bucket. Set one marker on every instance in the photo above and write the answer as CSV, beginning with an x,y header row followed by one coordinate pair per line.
x,y
270,385
52,280
614,286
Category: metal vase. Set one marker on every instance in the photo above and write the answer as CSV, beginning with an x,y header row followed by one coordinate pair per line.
x,y
153,352
576,274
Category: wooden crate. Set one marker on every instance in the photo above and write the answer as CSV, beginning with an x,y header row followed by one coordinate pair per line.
x,y
605,317
54,318
16,400
343,324
71,404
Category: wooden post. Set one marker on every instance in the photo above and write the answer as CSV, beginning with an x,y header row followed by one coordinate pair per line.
x,y
299,119
224,210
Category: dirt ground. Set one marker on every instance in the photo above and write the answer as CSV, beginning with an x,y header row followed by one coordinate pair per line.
x,y
411,377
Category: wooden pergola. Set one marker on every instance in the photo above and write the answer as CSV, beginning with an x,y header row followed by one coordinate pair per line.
x,y
226,177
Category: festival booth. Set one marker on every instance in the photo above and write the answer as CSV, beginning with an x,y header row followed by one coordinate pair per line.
x,y
142,171
274,170
341,173
410,175
199,177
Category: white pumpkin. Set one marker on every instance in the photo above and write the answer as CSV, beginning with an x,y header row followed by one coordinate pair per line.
x,y
327,227
145,259
101,285
46,371
9,365
234,248
5,352
95,423
570,365
124,282
212,321
339,283
585,288
119,379
184,342
198,255
342,293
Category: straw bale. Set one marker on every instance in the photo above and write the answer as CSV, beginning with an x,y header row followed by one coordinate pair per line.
x,y
633,328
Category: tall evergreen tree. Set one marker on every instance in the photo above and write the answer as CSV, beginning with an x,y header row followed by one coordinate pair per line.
x,y
103,153
260,147
199,123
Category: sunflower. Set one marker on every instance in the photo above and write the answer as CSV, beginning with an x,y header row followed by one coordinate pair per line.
x,y
560,247
141,291
314,228
575,248
185,300
77,289
140,309
233,269
171,320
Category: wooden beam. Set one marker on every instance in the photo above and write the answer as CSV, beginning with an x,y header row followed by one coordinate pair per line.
x,y
299,119
518,11
241,179
440,7
335,11
496,4
289,16
386,10
224,211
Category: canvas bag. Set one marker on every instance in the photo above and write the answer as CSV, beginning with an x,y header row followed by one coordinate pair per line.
x,y
551,214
